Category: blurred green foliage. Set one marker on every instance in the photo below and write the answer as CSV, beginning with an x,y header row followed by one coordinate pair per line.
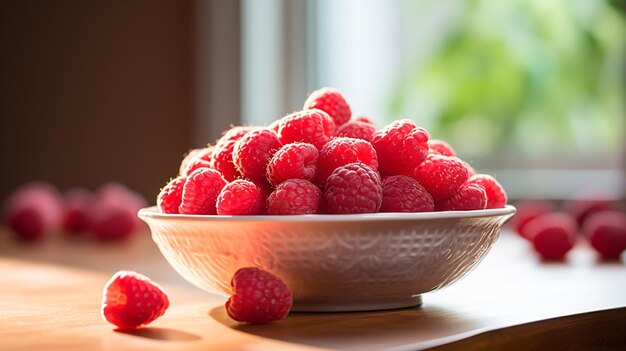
x,y
523,76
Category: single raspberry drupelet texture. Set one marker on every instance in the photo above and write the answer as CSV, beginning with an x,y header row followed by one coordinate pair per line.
x,y
171,196
341,151
253,151
308,126
76,205
496,196
200,192
131,300
553,235
194,155
468,197
364,119
606,232
353,188
440,147
357,130
258,297
294,197
332,102
526,212
195,164
401,147
293,161
405,194
441,175
240,198
222,160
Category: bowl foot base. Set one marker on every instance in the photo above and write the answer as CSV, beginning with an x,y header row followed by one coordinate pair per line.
x,y
353,305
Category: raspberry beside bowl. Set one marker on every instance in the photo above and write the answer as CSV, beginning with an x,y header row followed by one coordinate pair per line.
x,y
331,262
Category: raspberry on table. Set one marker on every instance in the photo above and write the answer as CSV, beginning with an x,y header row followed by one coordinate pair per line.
x,y
75,210
293,161
240,198
259,297
401,147
194,155
582,209
170,197
222,160
294,197
253,151
353,188
469,197
131,300
200,192
330,101
606,232
441,175
357,130
496,196
341,151
527,211
440,147
235,133
33,211
553,235
364,119
109,220
405,194
308,126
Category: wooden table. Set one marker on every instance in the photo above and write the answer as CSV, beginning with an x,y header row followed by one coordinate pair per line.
x,y
50,295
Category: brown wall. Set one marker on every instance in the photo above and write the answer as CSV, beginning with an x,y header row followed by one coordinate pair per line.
x,y
92,91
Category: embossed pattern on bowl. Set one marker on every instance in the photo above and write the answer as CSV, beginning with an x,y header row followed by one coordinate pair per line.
x,y
331,262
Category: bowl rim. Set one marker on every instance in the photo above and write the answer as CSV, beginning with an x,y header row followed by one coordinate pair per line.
x,y
153,213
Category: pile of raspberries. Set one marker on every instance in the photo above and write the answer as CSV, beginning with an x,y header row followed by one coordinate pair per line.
x,y
322,160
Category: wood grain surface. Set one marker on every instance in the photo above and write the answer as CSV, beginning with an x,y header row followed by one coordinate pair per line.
x,y
50,296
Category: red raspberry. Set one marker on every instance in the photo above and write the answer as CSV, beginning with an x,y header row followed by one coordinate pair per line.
x,y
470,169
341,151
117,192
353,188
582,209
200,192
440,147
401,146
293,161
194,164
258,297
171,196
193,155
496,196
357,130
442,176
33,211
275,125
330,101
405,194
222,160
235,133
469,197
309,126
110,220
240,198
364,119
606,232
131,300
553,235
253,151
526,212
75,212
294,197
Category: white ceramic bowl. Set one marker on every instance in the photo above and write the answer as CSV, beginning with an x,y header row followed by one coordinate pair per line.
x,y
331,262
